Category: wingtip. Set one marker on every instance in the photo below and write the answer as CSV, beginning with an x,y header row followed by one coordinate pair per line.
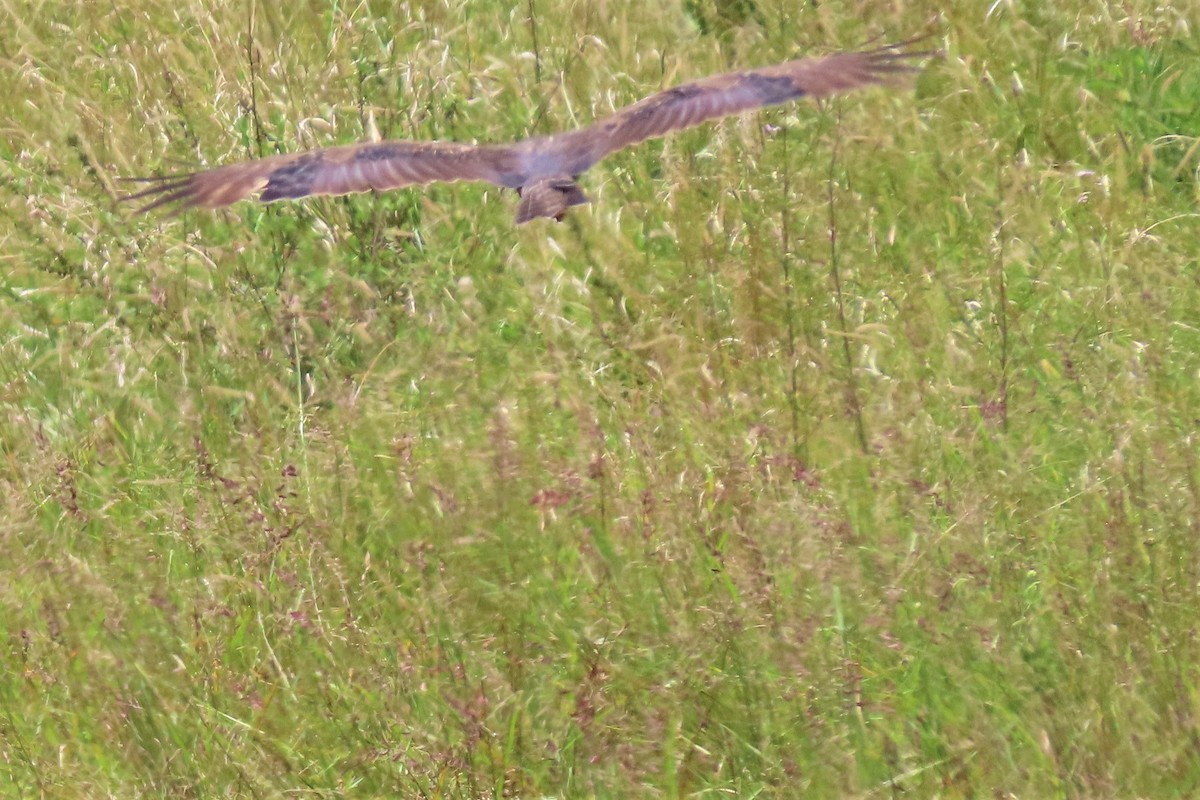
x,y
904,47
166,189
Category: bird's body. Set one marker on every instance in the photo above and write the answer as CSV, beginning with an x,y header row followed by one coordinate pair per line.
x,y
543,169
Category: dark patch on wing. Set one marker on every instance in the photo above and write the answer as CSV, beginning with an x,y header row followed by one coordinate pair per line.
x,y
294,179
378,152
772,89
682,92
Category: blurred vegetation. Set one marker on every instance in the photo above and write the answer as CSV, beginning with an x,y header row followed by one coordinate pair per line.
x,y
844,450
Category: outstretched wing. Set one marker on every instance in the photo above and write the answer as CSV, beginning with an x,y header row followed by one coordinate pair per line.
x,y
388,165
336,170
717,96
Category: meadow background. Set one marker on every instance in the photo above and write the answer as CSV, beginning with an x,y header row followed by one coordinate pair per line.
x,y
683,497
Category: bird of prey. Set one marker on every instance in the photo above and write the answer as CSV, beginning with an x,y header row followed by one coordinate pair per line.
x,y
543,169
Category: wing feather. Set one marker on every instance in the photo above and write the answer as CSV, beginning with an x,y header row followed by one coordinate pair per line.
x,y
721,95
335,171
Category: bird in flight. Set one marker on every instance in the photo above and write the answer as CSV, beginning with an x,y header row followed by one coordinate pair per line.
x,y
543,169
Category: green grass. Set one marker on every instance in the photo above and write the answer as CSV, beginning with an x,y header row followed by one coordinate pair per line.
x,y
384,496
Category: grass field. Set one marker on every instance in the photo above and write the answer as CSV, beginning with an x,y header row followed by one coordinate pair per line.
x,y
848,450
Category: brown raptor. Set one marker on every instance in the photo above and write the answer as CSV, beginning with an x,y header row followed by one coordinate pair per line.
x,y
543,169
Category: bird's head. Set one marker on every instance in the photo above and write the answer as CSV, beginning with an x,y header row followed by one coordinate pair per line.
x,y
549,197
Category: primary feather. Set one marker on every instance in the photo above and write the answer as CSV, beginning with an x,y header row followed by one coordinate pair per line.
x,y
542,169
